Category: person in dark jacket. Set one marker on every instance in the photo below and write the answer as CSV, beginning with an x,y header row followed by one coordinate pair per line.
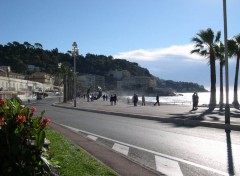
x,y
143,100
157,101
115,99
111,99
195,101
135,99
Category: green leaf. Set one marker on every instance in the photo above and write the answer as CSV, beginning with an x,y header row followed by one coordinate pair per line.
x,y
39,139
19,129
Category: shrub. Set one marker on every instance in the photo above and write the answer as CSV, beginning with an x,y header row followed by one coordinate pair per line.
x,y
21,140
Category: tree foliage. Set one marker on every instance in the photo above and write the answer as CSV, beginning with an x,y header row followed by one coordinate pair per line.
x,y
19,56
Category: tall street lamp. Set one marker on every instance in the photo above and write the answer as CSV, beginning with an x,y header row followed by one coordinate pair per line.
x,y
227,107
75,53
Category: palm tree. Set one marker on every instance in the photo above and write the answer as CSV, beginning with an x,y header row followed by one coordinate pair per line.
x,y
204,46
234,49
219,51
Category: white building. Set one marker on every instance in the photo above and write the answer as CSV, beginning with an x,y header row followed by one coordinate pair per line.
x,y
20,87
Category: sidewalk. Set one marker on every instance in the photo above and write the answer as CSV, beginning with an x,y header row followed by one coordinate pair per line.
x,y
180,115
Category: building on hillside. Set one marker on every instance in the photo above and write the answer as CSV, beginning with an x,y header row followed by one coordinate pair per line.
x,y
20,87
87,81
15,84
5,71
137,83
33,68
119,74
44,78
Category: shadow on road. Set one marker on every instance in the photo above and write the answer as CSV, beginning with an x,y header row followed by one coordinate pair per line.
x,y
212,115
192,115
229,153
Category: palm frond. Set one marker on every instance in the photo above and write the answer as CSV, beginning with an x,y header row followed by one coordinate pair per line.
x,y
204,53
197,40
232,47
199,46
195,51
219,52
207,36
218,36
237,39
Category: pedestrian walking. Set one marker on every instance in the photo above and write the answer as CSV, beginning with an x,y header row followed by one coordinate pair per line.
x,y
111,99
143,100
195,101
115,99
92,97
135,99
128,100
157,101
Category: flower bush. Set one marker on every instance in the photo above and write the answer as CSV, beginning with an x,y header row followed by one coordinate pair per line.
x,y
21,140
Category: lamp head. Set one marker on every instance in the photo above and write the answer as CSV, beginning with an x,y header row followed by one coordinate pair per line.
x,y
74,45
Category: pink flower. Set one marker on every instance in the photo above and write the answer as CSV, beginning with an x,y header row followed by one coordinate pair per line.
x,y
33,109
45,122
2,121
2,102
21,119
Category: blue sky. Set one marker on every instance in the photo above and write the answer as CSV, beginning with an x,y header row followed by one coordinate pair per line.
x,y
154,33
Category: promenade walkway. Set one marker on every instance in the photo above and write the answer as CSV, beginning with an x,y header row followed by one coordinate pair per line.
x,y
180,115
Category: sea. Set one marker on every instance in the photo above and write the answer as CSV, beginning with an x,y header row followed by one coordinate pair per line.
x,y
186,98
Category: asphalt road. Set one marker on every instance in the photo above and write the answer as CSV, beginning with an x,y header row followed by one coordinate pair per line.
x,y
195,150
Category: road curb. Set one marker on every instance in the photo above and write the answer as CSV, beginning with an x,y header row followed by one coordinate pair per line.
x,y
182,122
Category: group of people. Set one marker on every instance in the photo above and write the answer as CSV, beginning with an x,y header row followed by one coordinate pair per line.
x,y
135,100
113,99
105,97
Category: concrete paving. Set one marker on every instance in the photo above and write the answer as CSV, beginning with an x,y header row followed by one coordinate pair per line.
x,y
177,114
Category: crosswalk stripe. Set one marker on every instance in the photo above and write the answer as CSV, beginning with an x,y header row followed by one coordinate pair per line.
x,y
92,137
167,166
121,148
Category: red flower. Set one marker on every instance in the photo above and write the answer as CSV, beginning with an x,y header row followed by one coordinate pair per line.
x,y
33,109
2,121
21,118
2,102
45,122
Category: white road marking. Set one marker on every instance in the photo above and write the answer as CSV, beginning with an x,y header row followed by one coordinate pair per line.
x,y
121,148
71,128
154,152
167,166
92,137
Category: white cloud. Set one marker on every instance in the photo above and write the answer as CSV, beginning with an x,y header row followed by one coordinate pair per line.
x,y
181,51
